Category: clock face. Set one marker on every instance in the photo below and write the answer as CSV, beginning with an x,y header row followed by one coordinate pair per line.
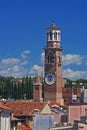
x,y
50,79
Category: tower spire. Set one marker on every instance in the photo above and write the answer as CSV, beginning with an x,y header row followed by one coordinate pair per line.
x,y
38,78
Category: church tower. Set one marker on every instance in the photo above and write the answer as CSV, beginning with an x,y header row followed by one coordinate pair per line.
x,y
53,65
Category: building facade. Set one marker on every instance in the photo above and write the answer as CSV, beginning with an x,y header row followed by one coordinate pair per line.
x,y
5,117
76,111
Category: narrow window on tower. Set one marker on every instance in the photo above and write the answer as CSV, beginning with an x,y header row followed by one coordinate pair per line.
x,y
50,35
59,60
50,59
58,36
55,36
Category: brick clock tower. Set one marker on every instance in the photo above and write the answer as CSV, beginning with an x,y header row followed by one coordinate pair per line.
x,y
53,65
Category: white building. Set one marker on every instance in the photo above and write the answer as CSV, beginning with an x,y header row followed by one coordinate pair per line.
x,y
5,115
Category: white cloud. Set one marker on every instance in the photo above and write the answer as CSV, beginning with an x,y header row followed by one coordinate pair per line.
x,y
70,74
14,66
72,59
36,69
24,62
10,61
85,60
42,57
15,71
25,53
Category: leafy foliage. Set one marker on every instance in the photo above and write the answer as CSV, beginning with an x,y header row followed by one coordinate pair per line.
x,y
78,83
23,88
16,88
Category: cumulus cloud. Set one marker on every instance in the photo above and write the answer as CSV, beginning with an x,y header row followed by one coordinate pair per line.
x,y
70,74
6,64
85,60
42,57
72,59
25,53
14,66
10,61
24,62
36,69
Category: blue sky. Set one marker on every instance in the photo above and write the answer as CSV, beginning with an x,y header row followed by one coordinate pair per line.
x,y
23,26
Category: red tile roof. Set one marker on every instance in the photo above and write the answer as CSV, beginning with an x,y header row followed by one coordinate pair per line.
x,y
23,127
5,107
24,108
52,103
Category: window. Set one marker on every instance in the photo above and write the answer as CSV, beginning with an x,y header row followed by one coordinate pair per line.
x,y
36,111
59,60
58,36
50,35
50,59
55,36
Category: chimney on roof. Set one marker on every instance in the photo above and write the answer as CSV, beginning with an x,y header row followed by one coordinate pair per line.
x,y
37,89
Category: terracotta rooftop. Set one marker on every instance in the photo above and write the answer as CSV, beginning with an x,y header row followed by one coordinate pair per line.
x,y
24,108
5,107
23,127
52,103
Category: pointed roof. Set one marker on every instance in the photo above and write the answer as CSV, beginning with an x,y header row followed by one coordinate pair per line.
x,y
46,110
38,78
37,82
53,27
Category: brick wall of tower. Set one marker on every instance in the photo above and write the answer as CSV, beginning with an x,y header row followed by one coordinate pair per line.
x,y
53,64
37,93
49,92
58,80
53,92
